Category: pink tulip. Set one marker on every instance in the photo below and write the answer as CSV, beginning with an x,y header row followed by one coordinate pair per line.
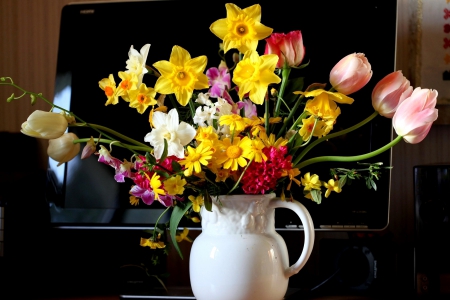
x,y
390,92
351,73
288,47
415,115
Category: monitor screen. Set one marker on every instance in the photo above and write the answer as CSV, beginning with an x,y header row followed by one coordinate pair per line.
x,y
94,42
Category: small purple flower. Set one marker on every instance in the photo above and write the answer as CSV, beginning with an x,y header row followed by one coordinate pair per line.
x,y
147,195
249,108
218,80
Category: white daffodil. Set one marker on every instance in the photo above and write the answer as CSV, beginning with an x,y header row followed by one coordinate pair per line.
x,y
167,127
136,62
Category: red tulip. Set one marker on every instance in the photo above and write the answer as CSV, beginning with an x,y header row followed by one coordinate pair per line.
x,y
351,73
390,92
415,115
288,47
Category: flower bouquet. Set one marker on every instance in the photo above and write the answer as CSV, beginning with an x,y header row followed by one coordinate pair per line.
x,y
234,128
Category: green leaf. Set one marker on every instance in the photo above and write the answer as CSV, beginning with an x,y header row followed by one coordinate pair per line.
x,y
317,196
374,185
162,173
176,167
164,154
177,214
342,181
150,159
207,201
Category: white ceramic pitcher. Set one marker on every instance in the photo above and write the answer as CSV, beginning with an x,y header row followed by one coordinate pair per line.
x,y
239,255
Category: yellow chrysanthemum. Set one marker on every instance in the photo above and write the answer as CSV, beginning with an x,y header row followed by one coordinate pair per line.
x,y
142,98
254,73
256,152
236,153
109,86
195,158
270,140
197,202
332,186
241,29
175,185
128,83
236,122
206,134
181,75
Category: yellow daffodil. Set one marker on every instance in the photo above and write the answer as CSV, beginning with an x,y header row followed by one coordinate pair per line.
x,y
323,104
241,29
195,158
175,185
142,98
128,83
109,86
320,128
236,153
332,186
222,175
181,75
254,73
197,202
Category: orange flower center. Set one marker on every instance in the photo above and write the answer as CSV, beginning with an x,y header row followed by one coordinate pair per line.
x,y
234,151
125,84
141,98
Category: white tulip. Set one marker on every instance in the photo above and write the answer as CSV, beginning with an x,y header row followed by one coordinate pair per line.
x,y
63,149
45,125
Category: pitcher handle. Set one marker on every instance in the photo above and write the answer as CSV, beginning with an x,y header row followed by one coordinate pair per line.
x,y
308,228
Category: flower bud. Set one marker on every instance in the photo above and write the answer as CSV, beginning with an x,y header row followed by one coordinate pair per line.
x,y
390,92
63,149
415,115
44,125
351,73
288,47
89,149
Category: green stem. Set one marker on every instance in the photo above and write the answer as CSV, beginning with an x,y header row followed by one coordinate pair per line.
x,y
349,158
106,141
117,134
284,79
333,135
290,116
157,221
